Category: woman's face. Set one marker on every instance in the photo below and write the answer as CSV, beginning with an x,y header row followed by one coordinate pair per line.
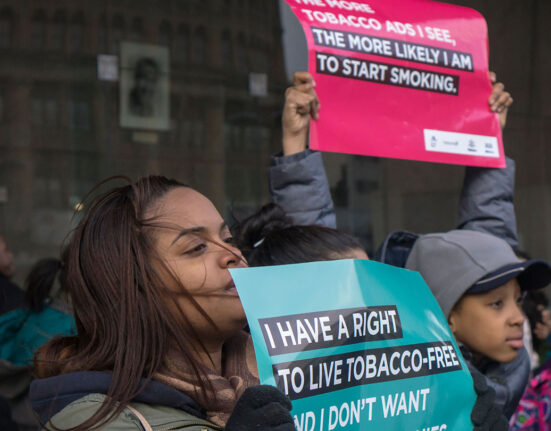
x,y
199,252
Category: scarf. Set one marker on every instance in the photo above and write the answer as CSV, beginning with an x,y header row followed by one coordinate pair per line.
x,y
239,371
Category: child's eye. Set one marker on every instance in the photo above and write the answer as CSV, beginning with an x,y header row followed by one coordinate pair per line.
x,y
497,304
520,299
196,250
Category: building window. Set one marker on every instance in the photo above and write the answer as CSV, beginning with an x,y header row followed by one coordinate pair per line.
x,y
6,28
165,34
36,111
77,32
117,33
137,30
226,48
174,115
242,60
259,57
50,116
199,46
59,30
185,127
47,192
102,33
79,115
38,30
182,44
44,111
1,109
198,133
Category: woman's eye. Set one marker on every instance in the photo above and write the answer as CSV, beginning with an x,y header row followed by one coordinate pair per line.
x,y
197,249
230,240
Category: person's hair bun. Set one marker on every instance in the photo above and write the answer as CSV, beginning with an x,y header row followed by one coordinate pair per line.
x,y
256,227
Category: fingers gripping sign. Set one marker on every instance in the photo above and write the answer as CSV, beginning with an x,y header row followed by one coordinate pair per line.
x,y
499,100
301,104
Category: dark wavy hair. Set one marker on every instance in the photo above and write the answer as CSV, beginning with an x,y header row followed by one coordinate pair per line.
x,y
122,308
269,237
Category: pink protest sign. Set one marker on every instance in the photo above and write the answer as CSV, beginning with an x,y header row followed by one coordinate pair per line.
x,y
404,79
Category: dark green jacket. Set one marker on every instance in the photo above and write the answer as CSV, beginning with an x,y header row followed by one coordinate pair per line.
x,y
70,399
136,417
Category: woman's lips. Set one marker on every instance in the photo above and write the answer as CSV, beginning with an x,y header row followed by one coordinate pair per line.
x,y
230,288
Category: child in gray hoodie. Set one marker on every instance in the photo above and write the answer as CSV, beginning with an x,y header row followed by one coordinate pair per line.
x,y
479,282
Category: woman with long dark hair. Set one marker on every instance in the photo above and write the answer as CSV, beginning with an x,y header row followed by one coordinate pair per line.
x,y
160,340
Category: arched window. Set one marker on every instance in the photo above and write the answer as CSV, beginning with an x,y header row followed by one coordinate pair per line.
x,y
165,34
226,49
137,30
200,46
76,30
182,44
117,33
6,28
59,30
38,29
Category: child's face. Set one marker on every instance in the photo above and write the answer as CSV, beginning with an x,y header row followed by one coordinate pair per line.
x,y
490,324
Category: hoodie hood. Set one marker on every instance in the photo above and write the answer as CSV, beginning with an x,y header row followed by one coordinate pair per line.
x,y
49,396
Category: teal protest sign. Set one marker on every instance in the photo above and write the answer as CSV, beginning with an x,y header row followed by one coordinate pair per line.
x,y
356,344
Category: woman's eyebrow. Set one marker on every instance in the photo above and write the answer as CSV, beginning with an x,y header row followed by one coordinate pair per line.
x,y
184,232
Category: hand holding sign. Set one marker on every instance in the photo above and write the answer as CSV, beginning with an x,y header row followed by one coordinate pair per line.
x,y
499,100
261,408
301,104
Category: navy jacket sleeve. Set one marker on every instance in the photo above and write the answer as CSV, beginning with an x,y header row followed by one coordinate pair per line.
x,y
298,184
486,203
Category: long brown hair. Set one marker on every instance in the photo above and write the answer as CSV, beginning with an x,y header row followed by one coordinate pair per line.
x,y
123,320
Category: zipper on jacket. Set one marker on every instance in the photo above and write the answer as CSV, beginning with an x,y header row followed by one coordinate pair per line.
x,y
204,426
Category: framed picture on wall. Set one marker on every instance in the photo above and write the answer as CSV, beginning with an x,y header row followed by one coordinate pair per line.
x,y
144,86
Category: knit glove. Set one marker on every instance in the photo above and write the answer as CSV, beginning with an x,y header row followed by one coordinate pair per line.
x,y
486,416
261,408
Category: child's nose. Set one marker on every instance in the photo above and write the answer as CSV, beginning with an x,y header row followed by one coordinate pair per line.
x,y
517,315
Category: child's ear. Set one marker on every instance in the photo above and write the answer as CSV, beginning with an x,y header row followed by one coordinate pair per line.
x,y
452,321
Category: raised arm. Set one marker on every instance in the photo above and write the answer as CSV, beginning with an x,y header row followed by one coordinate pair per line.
x,y
486,203
298,182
